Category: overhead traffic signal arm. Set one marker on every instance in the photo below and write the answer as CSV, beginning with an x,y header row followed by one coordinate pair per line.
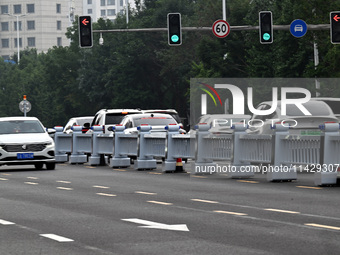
x,y
174,29
266,27
85,32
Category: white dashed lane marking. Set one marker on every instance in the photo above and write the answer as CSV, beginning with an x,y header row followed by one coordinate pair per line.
x,y
64,188
31,183
145,193
232,213
204,201
322,226
279,210
5,222
100,187
159,203
57,238
106,194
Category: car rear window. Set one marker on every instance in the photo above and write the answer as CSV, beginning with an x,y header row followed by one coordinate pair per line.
x,y
154,121
315,108
335,106
20,127
116,118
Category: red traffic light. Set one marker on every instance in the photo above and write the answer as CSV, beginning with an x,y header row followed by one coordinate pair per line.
x,y
85,32
85,22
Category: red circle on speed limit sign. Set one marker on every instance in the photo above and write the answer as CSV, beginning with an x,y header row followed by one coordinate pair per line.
x,y
221,28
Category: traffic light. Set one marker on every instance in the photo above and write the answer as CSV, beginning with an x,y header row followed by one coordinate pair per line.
x,y
266,27
174,29
85,32
335,27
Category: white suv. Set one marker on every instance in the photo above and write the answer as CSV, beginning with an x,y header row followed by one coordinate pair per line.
x,y
109,117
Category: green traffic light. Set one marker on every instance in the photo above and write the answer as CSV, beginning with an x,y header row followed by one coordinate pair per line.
x,y
174,38
266,36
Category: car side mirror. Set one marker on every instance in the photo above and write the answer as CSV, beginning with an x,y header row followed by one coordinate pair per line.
x,y
50,131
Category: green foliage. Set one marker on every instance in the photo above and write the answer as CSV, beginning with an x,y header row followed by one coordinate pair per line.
x,y
140,70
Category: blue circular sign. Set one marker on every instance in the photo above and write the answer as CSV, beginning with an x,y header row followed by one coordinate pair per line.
x,y
298,28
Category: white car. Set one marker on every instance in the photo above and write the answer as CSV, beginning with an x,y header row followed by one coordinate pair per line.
x,y
172,112
157,121
333,103
85,122
24,141
110,117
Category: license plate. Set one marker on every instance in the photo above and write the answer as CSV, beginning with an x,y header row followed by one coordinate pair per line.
x,y
310,132
25,156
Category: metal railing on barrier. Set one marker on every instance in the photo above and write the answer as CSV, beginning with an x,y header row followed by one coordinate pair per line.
x,y
81,145
218,147
184,145
63,144
155,144
257,148
102,144
124,145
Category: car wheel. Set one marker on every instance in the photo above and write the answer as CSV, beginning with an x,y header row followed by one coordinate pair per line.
x,y
38,166
50,166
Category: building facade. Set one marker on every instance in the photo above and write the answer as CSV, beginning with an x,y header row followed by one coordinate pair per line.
x,y
107,9
41,24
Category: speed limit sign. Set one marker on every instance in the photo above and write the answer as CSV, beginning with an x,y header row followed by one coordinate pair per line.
x,y
221,28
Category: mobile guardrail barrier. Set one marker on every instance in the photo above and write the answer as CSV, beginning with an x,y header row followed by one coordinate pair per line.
x,y
278,155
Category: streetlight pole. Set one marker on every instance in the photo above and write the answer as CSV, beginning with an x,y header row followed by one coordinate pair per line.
x,y
18,37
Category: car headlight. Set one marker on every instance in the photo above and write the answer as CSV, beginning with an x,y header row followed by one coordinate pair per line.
x,y
49,143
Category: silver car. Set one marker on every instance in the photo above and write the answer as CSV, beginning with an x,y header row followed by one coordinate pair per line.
x,y
299,123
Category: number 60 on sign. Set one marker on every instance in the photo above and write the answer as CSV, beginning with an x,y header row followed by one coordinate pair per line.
x,y
221,28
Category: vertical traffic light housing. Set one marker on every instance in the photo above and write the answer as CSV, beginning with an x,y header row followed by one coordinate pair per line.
x,y
266,27
335,27
85,32
174,29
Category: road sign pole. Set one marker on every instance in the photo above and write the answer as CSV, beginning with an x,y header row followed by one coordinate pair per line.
x,y
25,106
224,12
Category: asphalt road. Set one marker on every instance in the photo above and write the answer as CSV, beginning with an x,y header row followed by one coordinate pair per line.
x,y
79,209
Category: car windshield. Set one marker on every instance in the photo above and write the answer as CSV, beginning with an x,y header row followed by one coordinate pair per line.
x,y
81,122
154,121
315,108
335,106
20,127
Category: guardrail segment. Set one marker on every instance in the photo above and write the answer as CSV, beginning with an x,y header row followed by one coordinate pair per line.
x,y
282,151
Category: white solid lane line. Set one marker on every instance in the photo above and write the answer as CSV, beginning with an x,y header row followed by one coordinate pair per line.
x,y
57,238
